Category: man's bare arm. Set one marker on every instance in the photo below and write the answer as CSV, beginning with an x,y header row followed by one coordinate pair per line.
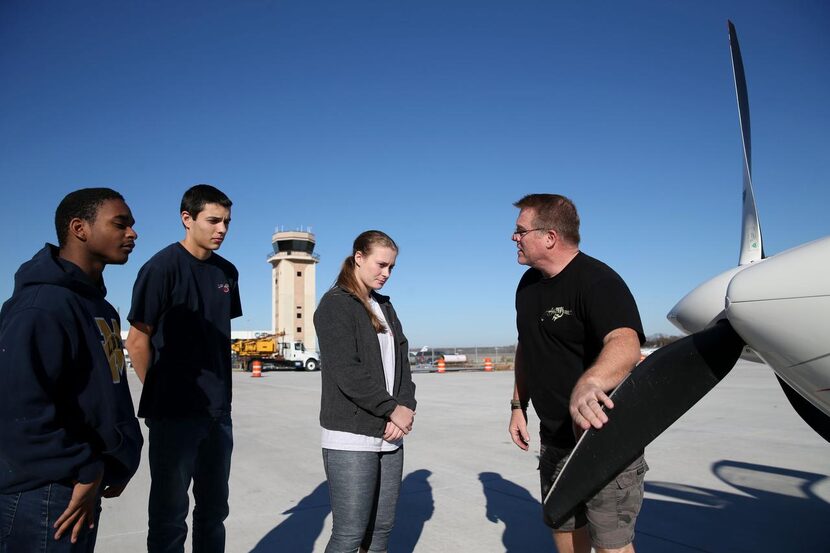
x,y
620,352
140,348
518,417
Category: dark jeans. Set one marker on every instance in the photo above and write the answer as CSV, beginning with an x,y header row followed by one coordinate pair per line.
x,y
364,488
181,451
27,522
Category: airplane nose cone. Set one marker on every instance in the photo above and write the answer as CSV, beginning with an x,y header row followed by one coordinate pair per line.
x,y
704,305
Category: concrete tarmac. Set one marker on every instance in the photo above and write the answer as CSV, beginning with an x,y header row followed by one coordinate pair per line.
x,y
739,472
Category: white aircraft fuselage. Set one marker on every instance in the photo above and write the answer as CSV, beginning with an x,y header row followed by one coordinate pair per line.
x,y
780,306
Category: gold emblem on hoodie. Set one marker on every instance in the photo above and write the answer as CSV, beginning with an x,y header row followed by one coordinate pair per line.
x,y
113,348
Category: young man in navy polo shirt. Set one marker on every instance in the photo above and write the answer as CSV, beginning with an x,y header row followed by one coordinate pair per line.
x,y
183,301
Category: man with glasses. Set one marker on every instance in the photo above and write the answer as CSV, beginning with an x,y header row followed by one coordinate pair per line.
x,y
579,336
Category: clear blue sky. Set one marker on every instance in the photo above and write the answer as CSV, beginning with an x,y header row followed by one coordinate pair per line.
x,y
427,120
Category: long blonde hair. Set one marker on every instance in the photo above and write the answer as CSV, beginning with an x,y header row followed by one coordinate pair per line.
x,y
347,279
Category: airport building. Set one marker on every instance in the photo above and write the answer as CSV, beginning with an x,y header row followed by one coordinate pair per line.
x,y
294,270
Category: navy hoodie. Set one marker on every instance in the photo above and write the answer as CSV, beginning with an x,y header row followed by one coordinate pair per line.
x,y
66,414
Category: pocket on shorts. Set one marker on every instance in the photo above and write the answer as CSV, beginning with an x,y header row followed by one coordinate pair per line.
x,y
632,476
541,457
551,462
546,463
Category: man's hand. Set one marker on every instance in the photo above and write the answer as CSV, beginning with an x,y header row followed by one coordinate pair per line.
x,y
518,428
586,404
392,432
620,352
403,417
80,511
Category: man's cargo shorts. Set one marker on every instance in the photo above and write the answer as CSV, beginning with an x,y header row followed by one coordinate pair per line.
x,y
612,513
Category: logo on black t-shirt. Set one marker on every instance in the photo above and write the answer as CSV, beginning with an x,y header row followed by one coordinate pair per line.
x,y
555,313
224,287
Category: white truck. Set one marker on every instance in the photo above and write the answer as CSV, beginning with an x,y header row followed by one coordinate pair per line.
x,y
274,353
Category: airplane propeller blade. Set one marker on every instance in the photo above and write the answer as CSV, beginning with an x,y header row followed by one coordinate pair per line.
x,y
752,247
656,393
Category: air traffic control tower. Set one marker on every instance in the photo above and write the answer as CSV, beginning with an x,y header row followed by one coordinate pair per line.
x,y
294,276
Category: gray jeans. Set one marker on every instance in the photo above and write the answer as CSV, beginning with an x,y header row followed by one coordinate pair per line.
x,y
363,488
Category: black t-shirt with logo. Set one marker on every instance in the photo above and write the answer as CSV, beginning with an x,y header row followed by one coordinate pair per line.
x,y
562,322
190,304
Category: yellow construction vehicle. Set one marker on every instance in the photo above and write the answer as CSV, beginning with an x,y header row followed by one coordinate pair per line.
x,y
275,353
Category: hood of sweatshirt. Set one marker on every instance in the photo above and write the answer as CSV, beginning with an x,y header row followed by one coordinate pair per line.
x,y
47,267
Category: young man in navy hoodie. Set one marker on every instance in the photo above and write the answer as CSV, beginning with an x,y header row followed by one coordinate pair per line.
x,y
68,429
179,342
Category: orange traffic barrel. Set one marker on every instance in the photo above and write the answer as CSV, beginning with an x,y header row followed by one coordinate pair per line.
x,y
442,367
256,368
488,364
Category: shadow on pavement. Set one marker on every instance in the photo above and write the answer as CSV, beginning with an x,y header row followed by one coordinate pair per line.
x,y
415,508
300,530
767,509
305,522
519,511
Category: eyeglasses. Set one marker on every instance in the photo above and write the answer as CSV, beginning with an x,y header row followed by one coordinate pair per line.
x,y
521,233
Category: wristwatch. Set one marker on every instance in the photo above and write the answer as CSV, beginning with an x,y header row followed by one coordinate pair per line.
x,y
518,404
